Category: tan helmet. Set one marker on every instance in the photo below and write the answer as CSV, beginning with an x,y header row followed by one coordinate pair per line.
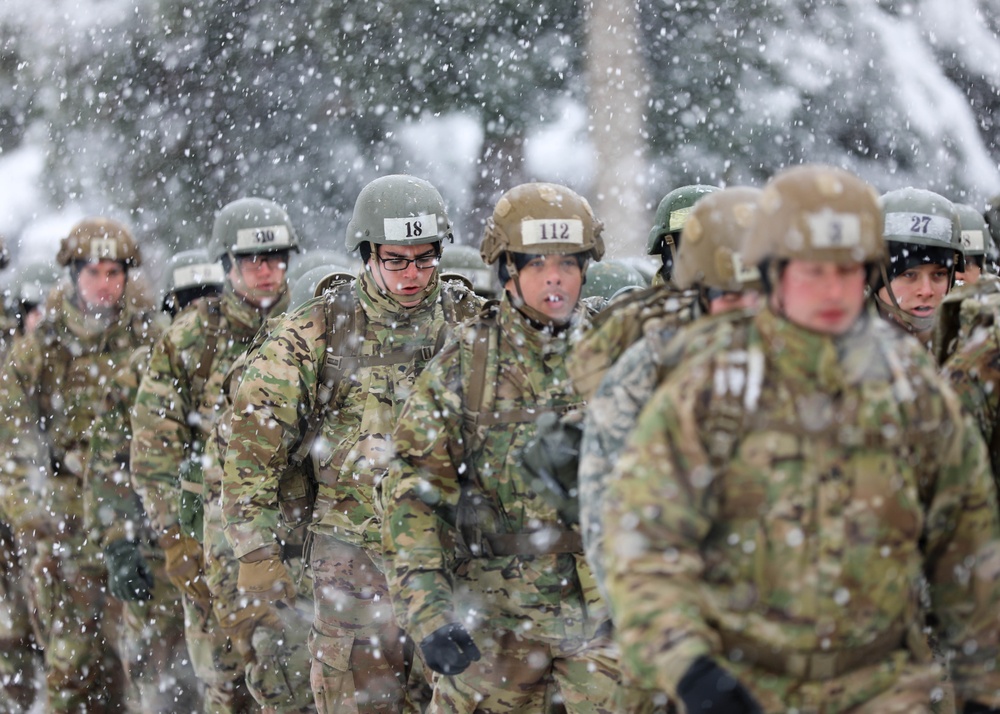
x,y
816,212
542,219
95,239
713,240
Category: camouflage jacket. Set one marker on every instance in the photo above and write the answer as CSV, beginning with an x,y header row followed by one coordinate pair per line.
x,y
278,393
621,324
453,488
967,340
51,392
803,488
614,409
114,510
170,423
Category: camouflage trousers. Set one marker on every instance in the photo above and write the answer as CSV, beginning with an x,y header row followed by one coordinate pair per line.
x,y
76,624
216,663
161,678
274,665
362,661
20,659
897,685
517,674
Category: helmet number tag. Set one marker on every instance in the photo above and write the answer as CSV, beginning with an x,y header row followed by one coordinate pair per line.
x,y
537,231
200,274
412,229
973,240
271,237
103,249
829,229
918,225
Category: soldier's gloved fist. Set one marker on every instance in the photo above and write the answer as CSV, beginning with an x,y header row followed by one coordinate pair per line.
x,y
449,649
264,575
241,624
706,688
185,566
129,577
553,458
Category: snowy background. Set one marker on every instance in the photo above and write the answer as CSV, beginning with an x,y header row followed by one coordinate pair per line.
x,y
161,111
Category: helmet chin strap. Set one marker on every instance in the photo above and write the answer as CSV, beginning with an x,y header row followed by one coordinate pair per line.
x,y
912,323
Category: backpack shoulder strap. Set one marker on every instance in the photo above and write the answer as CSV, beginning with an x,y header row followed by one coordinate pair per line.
x,y
344,317
210,311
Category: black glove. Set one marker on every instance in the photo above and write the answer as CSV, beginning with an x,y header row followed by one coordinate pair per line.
x,y
449,649
708,688
977,708
129,578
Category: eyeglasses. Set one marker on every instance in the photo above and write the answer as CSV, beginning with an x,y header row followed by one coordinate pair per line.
x,y
395,265
274,261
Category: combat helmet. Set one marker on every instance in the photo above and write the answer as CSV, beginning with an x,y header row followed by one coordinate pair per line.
x,y
398,210
920,227
713,242
191,274
816,212
99,238
611,278
466,261
977,245
542,219
671,215
251,226
312,282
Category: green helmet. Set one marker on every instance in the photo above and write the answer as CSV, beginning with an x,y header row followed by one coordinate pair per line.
x,y
251,226
398,210
920,227
610,278
542,219
992,217
672,213
34,282
467,262
306,286
312,257
99,239
191,274
816,212
975,235
711,251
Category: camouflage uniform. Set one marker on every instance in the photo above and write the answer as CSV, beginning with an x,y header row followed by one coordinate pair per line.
x,y
535,607
170,423
152,647
875,464
56,378
472,544
358,649
799,494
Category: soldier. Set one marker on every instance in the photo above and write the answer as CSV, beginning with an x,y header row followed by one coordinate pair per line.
x,y
50,393
616,329
709,261
925,242
789,487
465,260
152,648
179,400
975,244
323,392
31,288
470,544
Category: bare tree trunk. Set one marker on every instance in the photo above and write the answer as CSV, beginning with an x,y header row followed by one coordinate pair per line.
x,y
618,89
500,168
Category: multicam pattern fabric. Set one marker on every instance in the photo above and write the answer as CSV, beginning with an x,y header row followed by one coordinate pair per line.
x,y
452,487
50,394
351,453
783,497
613,411
624,322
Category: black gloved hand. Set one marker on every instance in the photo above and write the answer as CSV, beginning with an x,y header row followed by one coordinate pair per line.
x,y
977,708
129,577
708,688
449,649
